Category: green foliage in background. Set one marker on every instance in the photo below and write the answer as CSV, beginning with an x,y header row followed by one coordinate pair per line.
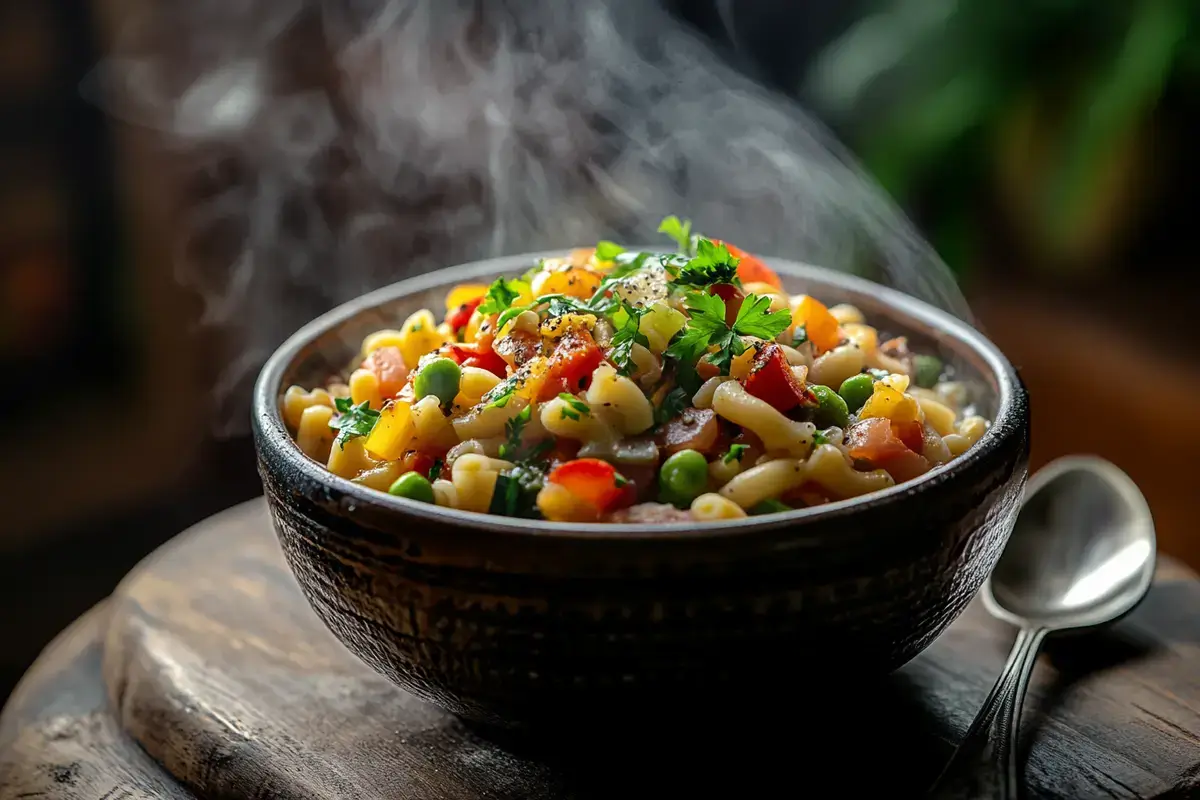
x,y
1051,97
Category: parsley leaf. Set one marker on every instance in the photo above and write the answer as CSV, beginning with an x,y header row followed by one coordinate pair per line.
x,y
624,339
820,439
499,297
672,405
607,251
706,328
713,264
435,471
736,451
680,231
353,420
799,335
756,319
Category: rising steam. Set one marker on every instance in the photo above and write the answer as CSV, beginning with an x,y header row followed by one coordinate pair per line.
x,y
334,147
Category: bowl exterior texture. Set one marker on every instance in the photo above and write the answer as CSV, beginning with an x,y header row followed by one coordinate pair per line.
x,y
510,631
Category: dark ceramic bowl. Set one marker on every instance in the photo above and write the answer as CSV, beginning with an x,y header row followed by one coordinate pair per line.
x,y
511,622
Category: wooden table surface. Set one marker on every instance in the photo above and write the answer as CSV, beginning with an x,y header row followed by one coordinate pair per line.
x,y
208,657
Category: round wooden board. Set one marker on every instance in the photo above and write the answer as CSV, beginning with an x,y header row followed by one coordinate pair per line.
x,y
216,665
58,740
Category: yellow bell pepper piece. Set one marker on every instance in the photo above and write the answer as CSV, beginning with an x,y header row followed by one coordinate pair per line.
x,y
463,294
887,402
534,377
393,431
819,324
579,282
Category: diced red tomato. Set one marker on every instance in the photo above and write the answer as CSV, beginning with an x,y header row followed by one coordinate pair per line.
x,y
771,379
911,433
571,364
416,461
751,269
732,297
389,367
460,316
490,361
596,483
875,442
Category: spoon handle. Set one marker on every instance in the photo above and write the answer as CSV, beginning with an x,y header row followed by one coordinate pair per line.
x,y
1011,713
995,725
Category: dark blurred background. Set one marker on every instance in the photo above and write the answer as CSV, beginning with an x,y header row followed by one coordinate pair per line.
x,y
1046,149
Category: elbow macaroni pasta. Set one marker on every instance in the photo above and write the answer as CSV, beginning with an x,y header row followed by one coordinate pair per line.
x,y
623,386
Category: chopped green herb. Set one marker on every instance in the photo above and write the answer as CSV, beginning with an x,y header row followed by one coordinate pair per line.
x,y
680,231
819,439
713,264
435,472
499,395
500,295
511,313
575,403
575,406
513,429
607,251
799,335
768,507
624,339
736,451
352,420
672,405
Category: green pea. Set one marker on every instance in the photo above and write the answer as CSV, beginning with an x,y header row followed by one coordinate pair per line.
x,y
927,370
414,486
856,390
682,478
438,377
833,410
769,507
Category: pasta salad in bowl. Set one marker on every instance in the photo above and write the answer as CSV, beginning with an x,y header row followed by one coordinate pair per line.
x,y
552,487
613,385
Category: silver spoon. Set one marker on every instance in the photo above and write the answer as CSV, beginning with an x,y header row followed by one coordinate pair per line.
x,y
1081,555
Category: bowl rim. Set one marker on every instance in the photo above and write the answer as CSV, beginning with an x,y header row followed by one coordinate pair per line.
x,y
274,441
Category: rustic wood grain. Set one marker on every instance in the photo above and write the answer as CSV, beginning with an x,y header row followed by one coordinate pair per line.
x,y
217,666
58,740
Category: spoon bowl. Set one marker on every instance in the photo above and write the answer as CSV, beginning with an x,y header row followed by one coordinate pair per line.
x,y
1082,552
